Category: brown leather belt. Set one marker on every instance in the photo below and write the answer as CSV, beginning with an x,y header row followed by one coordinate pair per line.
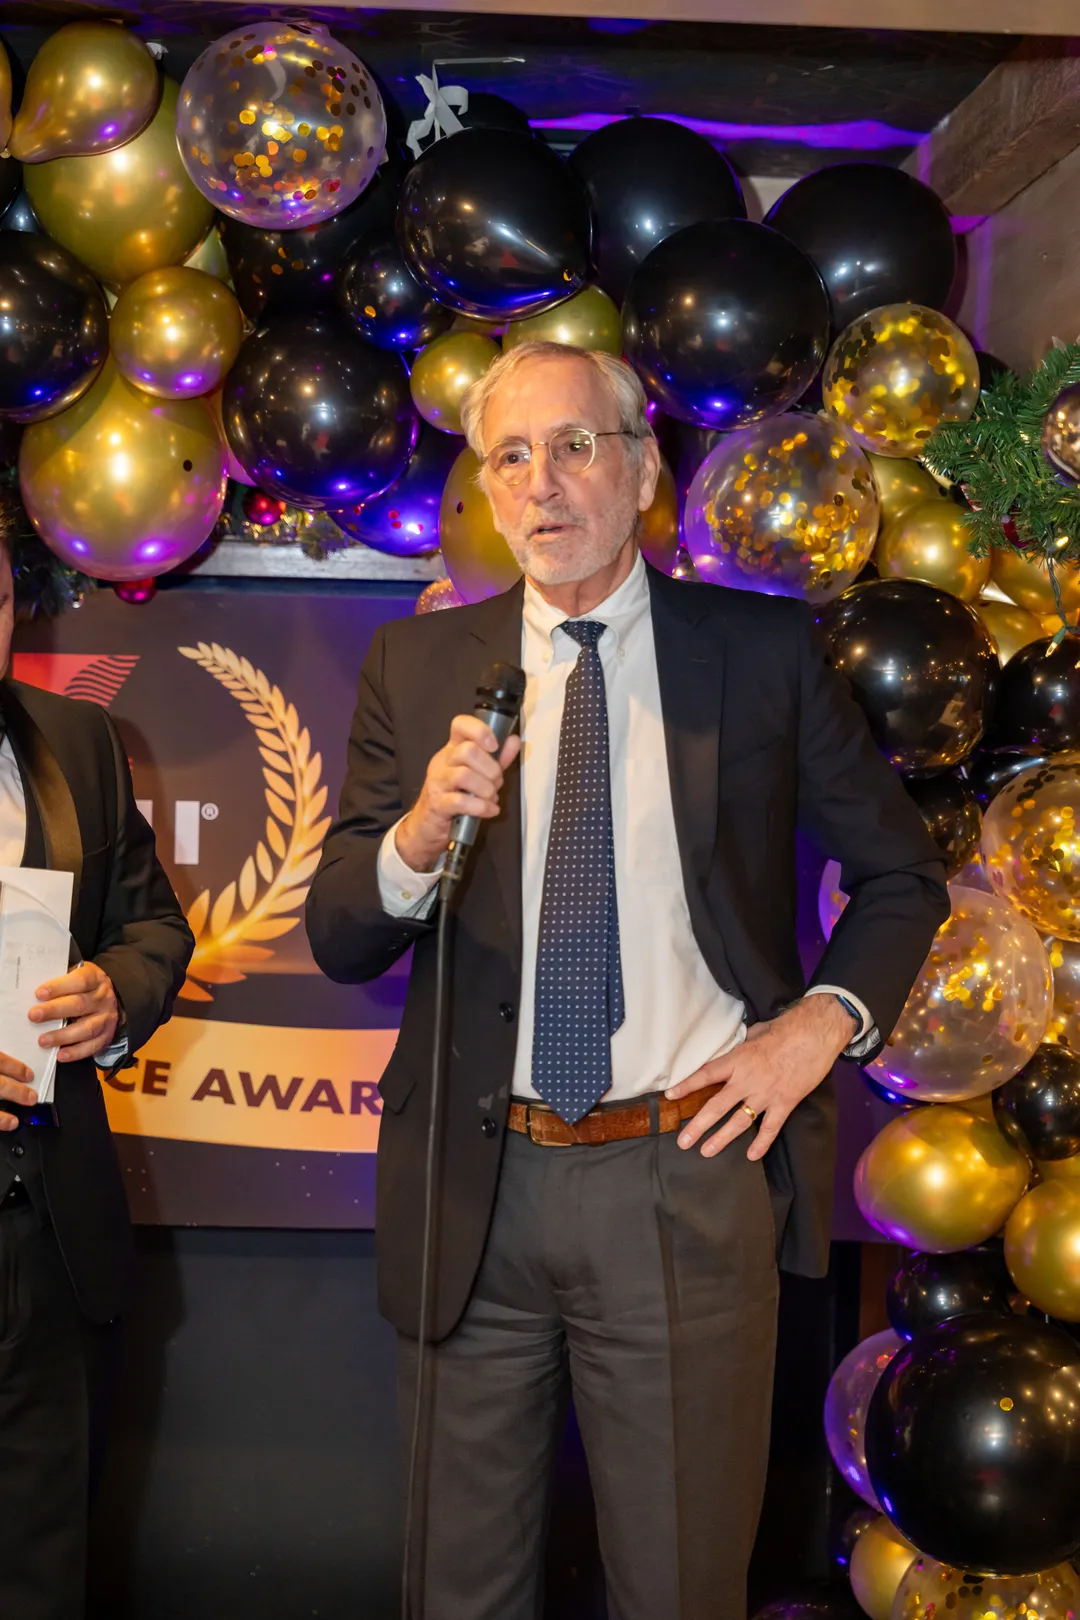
x,y
645,1116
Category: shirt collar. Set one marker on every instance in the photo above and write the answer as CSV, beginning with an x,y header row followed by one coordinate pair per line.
x,y
627,605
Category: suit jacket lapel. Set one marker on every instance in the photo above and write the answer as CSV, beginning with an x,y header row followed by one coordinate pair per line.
x,y
53,838
495,637
690,664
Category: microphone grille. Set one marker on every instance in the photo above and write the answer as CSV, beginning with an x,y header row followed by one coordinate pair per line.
x,y
504,683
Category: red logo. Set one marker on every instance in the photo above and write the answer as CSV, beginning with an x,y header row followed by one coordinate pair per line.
x,y
95,677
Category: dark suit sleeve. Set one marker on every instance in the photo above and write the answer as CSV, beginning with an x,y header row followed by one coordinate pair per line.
x,y
854,804
352,938
144,944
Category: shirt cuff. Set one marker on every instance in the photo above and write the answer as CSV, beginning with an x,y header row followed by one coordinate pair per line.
x,y
867,1035
114,1054
403,892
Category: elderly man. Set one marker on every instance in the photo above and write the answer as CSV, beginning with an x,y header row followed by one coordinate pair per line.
x,y
639,1117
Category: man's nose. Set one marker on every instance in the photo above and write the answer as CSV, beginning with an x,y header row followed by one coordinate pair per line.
x,y
543,476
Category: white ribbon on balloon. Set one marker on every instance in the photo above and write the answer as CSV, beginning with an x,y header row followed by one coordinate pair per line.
x,y
440,115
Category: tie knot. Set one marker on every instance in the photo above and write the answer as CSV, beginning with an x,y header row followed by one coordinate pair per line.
x,y
586,632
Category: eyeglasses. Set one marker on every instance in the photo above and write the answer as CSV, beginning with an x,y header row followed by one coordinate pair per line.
x,y
572,449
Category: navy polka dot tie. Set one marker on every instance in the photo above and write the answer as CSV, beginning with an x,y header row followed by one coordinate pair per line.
x,y
579,989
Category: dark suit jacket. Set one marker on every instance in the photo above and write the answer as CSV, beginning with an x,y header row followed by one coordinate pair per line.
x,y
761,736
81,816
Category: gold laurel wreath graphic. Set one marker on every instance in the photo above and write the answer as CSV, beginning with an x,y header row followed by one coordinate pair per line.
x,y
285,860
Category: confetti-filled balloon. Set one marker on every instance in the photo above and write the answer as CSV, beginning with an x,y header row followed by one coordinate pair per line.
x,y
122,485
939,1179
901,484
787,506
176,332
978,1009
127,211
930,541
54,326
846,1402
91,87
931,1591
880,1559
1010,627
894,374
589,320
1025,580
1061,434
444,371
987,774
279,125
1031,844
437,596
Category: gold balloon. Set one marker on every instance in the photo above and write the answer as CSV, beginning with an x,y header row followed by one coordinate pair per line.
x,y
437,597
589,320
1026,581
658,535
477,323
1031,844
1061,433
444,370
176,332
901,484
930,542
1064,1025
1058,1169
124,212
978,1009
933,1591
235,470
939,1179
1010,627
5,98
880,1559
895,373
91,87
122,485
1042,1248
210,256
478,559
787,505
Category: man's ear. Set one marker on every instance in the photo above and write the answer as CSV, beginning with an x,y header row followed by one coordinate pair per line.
x,y
650,472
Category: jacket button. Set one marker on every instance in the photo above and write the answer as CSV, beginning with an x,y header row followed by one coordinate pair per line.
x,y
17,1150
506,1011
488,1126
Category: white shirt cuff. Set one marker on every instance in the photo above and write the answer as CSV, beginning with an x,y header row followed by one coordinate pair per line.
x,y
866,1036
114,1054
403,892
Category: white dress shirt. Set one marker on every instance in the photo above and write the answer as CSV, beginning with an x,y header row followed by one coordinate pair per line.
x,y
677,1016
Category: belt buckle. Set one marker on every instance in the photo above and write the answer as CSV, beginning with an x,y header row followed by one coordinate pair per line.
x,y
536,1140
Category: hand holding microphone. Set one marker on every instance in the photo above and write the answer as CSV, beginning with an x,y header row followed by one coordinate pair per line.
x,y
464,779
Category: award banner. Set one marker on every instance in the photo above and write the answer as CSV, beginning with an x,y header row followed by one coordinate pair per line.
x,y
257,1104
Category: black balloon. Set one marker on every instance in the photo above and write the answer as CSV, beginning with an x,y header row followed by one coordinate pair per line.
x,y
684,448
990,368
1038,703
487,111
404,520
986,774
54,327
1039,1108
495,224
952,817
920,665
379,292
876,234
315,414
19,216
647,178
289,270
10,180
930,1288
973,1443
725,322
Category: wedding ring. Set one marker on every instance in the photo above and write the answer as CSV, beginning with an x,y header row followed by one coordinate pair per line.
x,y
751,1113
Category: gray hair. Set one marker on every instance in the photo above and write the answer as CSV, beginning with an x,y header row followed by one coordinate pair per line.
x,y
623,382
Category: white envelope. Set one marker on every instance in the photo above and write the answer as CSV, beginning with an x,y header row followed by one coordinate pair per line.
x,y
35,946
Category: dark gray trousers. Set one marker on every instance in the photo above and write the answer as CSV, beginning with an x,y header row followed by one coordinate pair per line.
x,y
641,1278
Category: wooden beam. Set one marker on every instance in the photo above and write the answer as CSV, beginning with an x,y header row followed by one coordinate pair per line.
x,y
945,16
1014,126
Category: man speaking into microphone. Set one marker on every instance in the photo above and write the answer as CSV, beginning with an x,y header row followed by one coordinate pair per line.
x,y
639,1120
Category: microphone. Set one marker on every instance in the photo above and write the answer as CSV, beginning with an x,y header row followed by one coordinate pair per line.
x,y
498,705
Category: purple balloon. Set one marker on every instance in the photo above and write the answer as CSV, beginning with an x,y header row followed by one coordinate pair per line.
x,y
846,1403
404,520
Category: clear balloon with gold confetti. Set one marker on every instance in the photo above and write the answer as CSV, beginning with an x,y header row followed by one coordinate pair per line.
x,y
893,375
1064,1025
1031,844
933,1591
978,1009
280,125
787,506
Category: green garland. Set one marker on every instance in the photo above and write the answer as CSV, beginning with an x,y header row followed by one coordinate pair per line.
x,y
996,458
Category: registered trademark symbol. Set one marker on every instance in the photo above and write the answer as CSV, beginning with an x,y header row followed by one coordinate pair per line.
x,y
209,812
